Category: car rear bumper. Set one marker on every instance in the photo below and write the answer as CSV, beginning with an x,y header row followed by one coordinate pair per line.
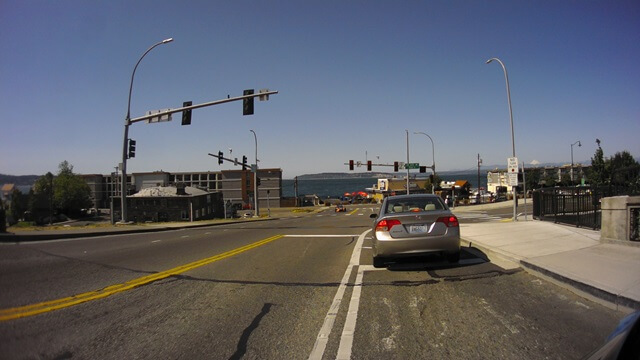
x,y
388,247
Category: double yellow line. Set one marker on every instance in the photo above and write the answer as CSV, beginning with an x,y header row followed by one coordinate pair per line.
x,y
43,307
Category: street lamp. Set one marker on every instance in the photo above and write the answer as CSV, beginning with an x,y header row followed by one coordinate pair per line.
x,y
255,177
513,144
433,158
579,144
127,122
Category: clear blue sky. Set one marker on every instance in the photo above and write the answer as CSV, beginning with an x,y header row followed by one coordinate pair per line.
x,y
352,76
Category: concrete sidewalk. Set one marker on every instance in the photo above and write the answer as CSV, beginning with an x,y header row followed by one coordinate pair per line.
x,y
606,272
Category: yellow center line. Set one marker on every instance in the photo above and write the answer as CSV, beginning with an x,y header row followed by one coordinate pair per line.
x,y
39,308
353,212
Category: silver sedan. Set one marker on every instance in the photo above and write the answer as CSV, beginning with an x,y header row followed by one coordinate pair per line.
x,y
414,225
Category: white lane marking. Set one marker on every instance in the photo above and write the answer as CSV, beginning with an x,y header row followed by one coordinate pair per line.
x,y
323,335
367,247
346,339
502,320
155,241
184,236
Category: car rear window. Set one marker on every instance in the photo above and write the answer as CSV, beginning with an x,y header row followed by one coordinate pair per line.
x,y
414,205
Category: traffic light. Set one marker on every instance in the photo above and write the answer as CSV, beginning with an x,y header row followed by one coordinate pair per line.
x,y
247,104
368,165
132,148
395,166
220,155
258,182
186,114
423,169
350,164
244,160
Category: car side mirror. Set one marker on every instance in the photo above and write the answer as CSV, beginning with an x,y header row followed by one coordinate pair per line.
x,y
373,216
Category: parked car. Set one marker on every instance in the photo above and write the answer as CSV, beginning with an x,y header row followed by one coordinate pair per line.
x,y
340,208
414,225
623,342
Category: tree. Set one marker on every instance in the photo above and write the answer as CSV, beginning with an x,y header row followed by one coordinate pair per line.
x,y
599,172
19,204
71,192
41,197
620,170
533,177
624,169
65,193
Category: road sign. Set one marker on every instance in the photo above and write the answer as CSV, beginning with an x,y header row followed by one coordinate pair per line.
x,y
512,165
412,166
164,117
513,179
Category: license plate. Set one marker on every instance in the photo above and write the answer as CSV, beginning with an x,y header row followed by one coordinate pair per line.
x,y
417,229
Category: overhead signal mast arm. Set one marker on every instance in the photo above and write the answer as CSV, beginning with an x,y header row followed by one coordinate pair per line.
x,y
197,106
221,159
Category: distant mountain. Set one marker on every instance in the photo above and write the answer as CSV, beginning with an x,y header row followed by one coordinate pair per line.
x,y
343,175
19,180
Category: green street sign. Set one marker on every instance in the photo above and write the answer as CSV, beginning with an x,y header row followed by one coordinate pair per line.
x,y
412,166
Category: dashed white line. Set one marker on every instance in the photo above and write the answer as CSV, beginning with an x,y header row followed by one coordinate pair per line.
x,y
346,339
323,336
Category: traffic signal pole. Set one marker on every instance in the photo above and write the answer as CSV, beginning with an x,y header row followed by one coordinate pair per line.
x,y
262,94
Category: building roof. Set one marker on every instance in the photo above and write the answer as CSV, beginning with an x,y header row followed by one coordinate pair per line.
x,y
7,188
168,191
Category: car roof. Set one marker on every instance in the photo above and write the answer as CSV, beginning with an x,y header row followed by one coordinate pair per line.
x,y
412,196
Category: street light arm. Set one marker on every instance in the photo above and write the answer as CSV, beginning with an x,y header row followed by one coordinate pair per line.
x,y
506,78
165,41
433,151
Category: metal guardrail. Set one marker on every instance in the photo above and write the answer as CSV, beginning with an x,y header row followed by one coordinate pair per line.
x,y
579,206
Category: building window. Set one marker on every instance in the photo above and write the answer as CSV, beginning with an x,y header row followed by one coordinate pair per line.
x,y
184,215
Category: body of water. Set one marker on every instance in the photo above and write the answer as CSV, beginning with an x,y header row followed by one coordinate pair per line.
x,y
337,187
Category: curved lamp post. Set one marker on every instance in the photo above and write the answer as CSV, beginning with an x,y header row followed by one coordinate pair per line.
x,y
127,122
579,144
513,144
255,177
433,158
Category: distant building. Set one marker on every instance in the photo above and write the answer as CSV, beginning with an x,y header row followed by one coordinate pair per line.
x,y
498,179
6,190
173,203
235,186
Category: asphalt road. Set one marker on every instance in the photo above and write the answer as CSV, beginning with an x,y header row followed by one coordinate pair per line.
x,y
288,289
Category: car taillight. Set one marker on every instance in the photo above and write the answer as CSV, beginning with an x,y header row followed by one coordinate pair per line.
x,y
386,225
449,221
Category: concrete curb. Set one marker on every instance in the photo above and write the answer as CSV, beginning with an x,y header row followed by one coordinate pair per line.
x,y
614,301
619,302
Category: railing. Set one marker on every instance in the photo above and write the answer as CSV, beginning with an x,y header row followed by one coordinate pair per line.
x,y
579,206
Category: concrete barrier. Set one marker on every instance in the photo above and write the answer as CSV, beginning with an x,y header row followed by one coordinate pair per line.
x,y
619,218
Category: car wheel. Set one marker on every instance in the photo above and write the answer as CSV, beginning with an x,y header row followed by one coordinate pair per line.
x,y
454,257
378,262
